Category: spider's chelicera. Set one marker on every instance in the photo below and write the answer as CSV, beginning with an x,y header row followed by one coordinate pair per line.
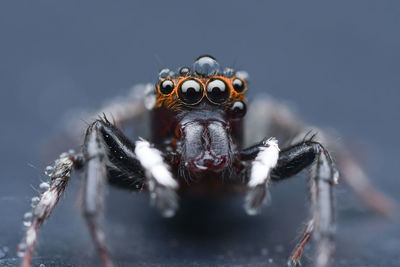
x,y
197,132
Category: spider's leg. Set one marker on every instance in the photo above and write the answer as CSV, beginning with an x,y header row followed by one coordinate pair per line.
x,y
352,173
268,117
107,151
48,200
264,158
95,177
360,183
322,176
298,250
160,183
139,163
128,112
122,110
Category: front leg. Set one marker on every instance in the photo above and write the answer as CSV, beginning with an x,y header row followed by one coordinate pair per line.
x,y
106,152
322,176
264,158
268,117
161,184
137,165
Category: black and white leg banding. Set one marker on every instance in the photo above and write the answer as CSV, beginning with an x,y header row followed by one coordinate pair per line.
x,y
261,167
161,184
323,175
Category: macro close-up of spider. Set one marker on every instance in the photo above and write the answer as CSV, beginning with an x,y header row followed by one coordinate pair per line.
x,y
196,143
199,134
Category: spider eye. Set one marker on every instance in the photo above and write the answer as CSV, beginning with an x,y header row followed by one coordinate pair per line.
x,y
238,85
238,110
217,91
190,92
166,87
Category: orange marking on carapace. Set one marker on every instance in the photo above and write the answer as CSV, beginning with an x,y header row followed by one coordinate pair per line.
x,y
173,102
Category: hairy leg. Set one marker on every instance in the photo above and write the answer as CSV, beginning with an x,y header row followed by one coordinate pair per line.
x,y
279,120
107,151
129,112
160,183
61,172
95,177
264,157
322,176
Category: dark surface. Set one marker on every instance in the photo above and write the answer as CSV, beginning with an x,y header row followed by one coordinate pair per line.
x,y
339,63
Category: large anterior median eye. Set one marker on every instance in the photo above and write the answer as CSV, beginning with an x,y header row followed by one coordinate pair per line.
x,y
217,91
190,92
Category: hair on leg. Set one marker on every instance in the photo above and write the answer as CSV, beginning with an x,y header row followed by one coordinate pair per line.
x,y
161,184
322,176
107,151
264,158
94,179
295,256
269,117
59,176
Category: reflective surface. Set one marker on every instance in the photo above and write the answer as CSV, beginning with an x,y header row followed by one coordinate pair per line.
x,y
206,66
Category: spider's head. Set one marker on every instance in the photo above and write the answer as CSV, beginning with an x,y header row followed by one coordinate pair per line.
x,y
201,109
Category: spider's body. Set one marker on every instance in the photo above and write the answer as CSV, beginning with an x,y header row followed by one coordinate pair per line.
x,y
197,120
197,139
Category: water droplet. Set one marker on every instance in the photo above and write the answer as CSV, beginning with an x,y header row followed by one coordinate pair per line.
x,y
2,254
168,213
27,223
64,155
264,252
229,72
242,74
184,71
34,201
206,66
21,250
279,248
44,186
164,73
49,170
42,265
28,216
270,260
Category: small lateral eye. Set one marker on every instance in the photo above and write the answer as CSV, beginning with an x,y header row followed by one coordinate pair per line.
x,y
217,91
238,85
166,87
238,110
190,92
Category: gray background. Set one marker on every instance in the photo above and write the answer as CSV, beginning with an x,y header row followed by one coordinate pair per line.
x,y
339,62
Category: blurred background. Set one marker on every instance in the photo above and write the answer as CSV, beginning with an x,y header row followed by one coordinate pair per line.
x,y
337,62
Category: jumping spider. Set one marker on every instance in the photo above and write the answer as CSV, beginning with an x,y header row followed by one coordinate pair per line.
x,y
197,131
